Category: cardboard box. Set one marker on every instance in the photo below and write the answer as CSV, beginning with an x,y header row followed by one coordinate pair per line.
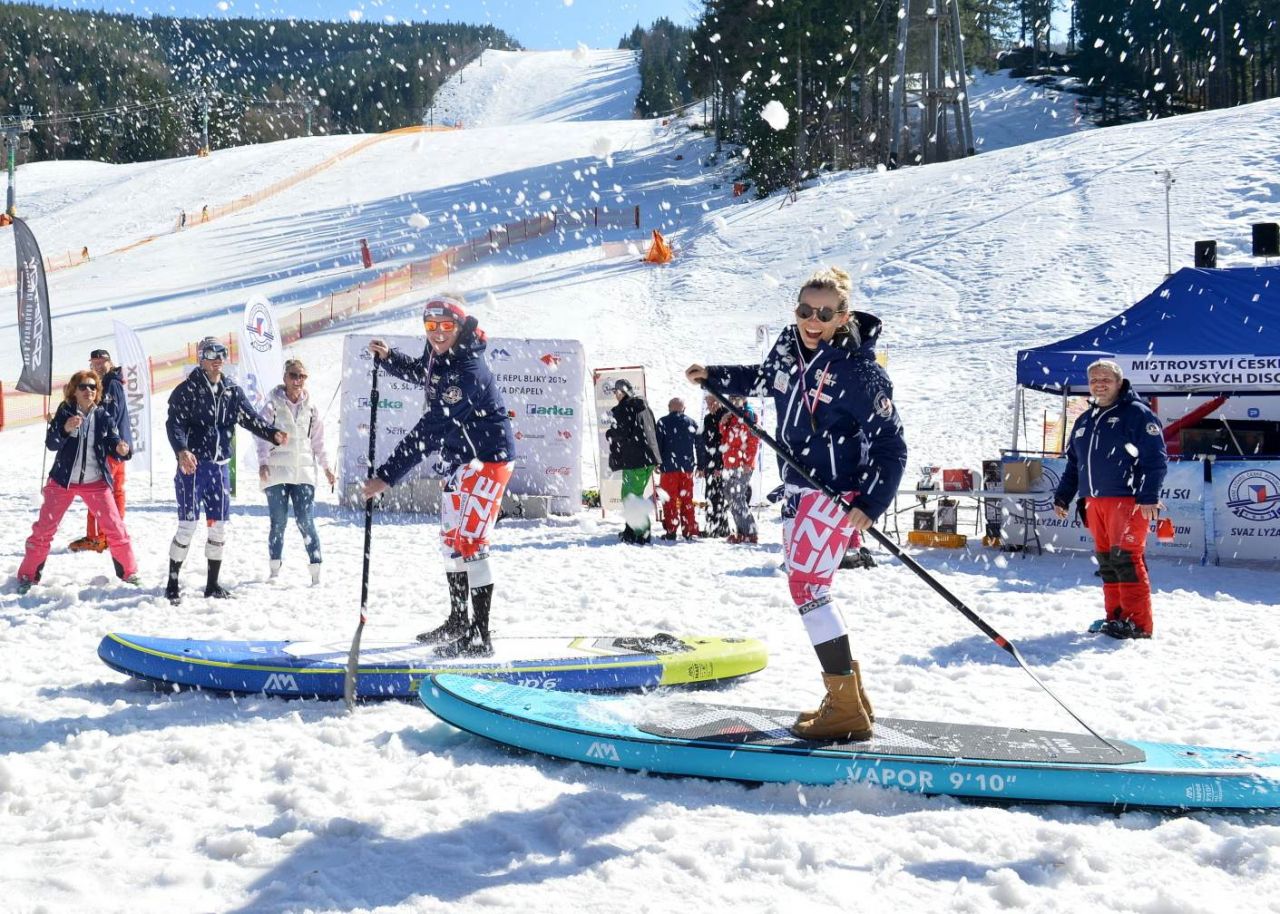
x,y
1021,475
923,520
957,480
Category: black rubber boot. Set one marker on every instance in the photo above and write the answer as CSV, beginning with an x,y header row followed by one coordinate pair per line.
x,y
171,591
212,588
456,625
475,642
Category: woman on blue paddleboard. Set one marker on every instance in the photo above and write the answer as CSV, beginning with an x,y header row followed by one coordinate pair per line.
x,y
836,416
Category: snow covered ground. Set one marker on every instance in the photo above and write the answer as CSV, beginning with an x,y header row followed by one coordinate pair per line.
x,y
117,798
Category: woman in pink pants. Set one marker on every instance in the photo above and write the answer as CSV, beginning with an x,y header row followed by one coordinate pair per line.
x,y
83,434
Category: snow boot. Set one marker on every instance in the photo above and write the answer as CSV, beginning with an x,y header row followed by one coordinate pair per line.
x,y
314,568
24,585
669,536
99,544
84,544
275,569
171,591
1123,629
456,625
841,716
862,696
212,588
475,642
858,558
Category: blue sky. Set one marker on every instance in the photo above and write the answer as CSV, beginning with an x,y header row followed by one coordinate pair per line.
x,y
537,24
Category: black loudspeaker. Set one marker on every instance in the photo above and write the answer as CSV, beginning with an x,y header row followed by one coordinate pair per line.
x,y
1206,255
1266,239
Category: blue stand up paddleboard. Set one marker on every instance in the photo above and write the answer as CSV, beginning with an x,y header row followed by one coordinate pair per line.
x,y
755,745
395,670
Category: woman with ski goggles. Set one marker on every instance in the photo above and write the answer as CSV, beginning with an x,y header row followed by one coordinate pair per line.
x,y
836,416
467,433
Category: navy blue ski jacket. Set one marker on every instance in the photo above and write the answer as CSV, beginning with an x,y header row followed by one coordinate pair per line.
x,y
1115,452
835,411
201,419
465,416
105,438
115,403
677,443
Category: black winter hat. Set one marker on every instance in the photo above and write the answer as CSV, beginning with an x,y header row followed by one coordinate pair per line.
x,y
623,385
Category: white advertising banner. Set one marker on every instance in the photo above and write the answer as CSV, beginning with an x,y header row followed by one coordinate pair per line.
x,y
602,381
1246,510
400,406
135,372
1168,373
1183,496
541,384
260,370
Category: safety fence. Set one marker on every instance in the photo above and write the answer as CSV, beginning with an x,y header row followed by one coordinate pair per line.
x,y
208,213
18,408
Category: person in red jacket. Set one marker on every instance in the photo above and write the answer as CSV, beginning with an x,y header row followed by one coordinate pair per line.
x,y
740,450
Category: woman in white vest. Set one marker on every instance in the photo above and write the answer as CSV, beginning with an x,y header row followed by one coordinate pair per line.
x,y
288,471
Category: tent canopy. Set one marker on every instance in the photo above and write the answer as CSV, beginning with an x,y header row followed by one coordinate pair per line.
x,y
1199,332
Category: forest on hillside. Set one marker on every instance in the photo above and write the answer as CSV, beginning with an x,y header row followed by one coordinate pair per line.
x,y
121,88
830,65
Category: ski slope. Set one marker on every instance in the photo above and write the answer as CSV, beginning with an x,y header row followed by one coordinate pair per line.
x,y
117,798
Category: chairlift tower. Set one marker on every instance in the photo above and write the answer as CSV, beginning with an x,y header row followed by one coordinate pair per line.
x,y
11,131
930,98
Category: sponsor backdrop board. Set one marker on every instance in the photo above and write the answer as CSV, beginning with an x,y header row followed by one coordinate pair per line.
x,y
541,383
1183,496
1246,511
602,381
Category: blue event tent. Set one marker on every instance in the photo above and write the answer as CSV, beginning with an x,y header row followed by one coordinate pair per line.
x,y
1200,332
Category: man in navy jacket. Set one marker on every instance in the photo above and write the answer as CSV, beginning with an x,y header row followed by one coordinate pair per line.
x,y
1116,462
203,413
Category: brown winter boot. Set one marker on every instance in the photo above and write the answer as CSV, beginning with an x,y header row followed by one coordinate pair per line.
x,y
841,715
806,716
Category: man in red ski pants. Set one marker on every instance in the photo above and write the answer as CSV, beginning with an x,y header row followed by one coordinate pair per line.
x,y
1116,462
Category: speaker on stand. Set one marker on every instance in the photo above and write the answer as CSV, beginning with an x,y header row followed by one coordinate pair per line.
x,y
1206,255
1266,239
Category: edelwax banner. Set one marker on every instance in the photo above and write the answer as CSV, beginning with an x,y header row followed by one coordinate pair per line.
x,y
35,332
135,373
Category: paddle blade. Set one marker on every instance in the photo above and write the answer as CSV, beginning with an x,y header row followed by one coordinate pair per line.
x,y
353,661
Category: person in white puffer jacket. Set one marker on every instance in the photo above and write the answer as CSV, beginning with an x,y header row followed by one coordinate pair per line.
x,y
288,472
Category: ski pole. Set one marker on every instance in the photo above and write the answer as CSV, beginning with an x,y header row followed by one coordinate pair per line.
x,y
353,658
999,639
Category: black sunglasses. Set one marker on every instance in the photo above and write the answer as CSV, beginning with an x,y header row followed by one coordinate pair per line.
x,y
826,315
297,377
86,387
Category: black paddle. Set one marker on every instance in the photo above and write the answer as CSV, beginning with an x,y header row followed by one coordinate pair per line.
x,y
353,658
1001,641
